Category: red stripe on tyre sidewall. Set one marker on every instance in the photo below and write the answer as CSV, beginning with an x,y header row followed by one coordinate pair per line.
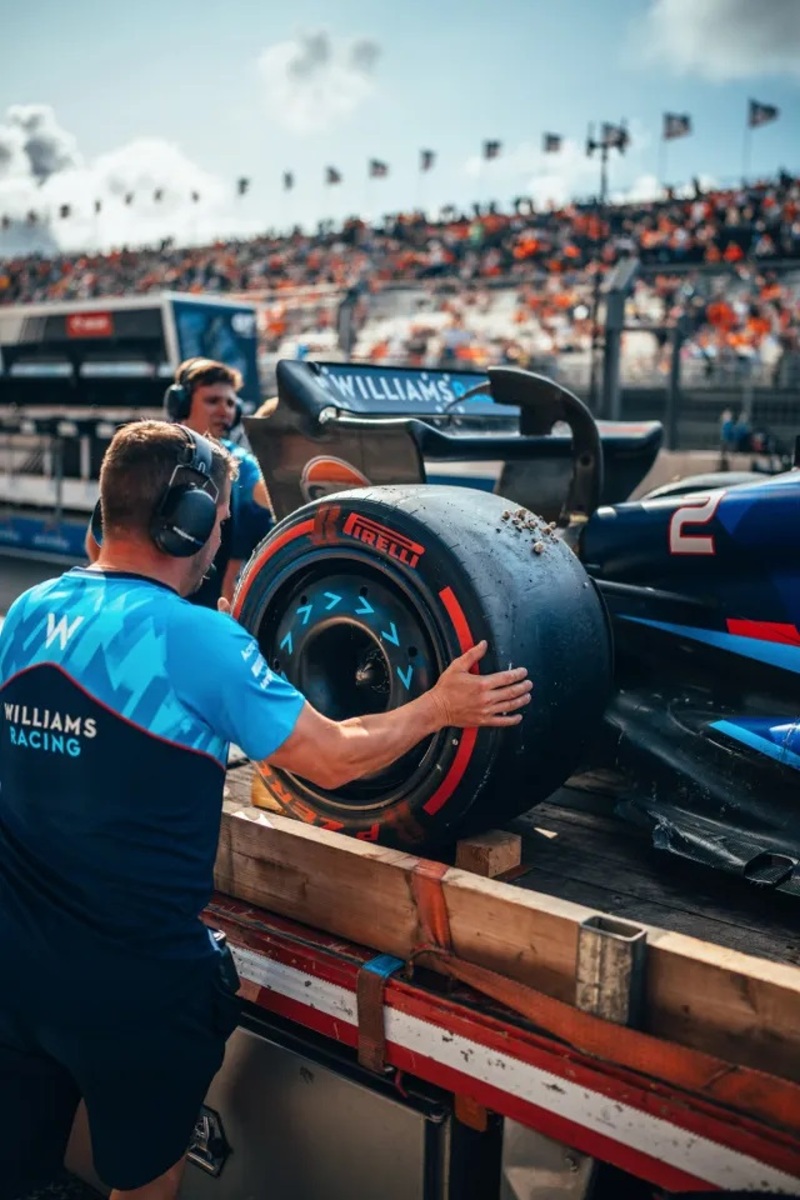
x,y
459,764
301,530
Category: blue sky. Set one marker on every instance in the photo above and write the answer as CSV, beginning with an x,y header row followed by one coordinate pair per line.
x,y
192,95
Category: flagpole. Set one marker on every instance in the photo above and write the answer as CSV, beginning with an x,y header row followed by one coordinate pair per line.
x,y
746,151
662,164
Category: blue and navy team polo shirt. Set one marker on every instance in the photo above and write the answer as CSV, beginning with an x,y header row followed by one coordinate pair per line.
x,y
118,700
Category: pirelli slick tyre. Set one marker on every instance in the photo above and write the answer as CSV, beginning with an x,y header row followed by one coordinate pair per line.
x,y
362,599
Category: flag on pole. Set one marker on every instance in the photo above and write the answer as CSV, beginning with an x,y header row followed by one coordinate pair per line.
x,y
491,149
332,175
426,159
378,169
551,143
288,181
676,125
761,114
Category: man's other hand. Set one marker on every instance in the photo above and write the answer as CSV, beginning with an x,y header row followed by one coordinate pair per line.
x,y
465,700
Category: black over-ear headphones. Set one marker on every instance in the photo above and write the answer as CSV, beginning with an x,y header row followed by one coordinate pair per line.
x,y
178,396
187,511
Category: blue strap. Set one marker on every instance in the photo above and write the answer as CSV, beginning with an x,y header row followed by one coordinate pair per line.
x,y
370,988
383,964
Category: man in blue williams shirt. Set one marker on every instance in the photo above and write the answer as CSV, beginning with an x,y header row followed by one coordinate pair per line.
x,y
118,701
203,397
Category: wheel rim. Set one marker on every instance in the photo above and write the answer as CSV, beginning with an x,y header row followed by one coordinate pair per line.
x,y
354,644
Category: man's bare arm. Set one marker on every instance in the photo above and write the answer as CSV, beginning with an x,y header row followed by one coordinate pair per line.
x,y
332,753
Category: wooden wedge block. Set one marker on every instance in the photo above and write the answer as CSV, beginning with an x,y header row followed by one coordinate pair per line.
x,y
489,854
261,796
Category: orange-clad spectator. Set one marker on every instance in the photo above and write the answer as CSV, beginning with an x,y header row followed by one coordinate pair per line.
x,y
720,315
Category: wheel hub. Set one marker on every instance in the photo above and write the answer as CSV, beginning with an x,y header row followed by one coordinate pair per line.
x,y
352,646
343,671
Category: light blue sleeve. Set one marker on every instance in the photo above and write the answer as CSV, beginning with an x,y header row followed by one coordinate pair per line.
x,y
8,642
219,674
250,520
249,473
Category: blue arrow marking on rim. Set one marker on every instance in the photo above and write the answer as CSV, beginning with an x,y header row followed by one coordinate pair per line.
x,y
305,609
405,676
334,600
391,637
287,641
365,608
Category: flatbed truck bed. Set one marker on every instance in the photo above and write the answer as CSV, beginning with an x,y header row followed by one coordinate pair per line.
x,y
714,1059
574,847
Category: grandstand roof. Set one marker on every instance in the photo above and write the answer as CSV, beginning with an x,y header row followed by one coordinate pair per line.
x,y
49,308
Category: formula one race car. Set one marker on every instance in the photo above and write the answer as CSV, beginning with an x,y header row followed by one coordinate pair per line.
x,y
662,635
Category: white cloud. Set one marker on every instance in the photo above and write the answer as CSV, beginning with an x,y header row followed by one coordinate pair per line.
x,y
722,39
50,173
315,81
33,144
644,189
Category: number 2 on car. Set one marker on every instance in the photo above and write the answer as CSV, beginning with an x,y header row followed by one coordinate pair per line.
x,y
700,510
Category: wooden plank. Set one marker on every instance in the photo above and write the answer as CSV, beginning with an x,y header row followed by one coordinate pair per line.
x,y
742,1009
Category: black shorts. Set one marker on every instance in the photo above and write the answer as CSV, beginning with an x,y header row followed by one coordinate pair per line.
x,y
143,1086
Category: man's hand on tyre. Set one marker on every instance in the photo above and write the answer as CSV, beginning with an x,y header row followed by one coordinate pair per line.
x,y
465,700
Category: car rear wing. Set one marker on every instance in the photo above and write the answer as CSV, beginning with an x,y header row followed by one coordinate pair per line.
x,y
525,436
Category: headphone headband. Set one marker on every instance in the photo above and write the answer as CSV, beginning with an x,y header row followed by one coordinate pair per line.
x,y
197,457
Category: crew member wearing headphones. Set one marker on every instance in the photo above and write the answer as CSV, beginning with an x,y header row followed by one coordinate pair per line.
x,y
204,399
118,701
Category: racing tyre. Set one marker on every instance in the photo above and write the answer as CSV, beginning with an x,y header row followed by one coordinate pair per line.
x,y
363,598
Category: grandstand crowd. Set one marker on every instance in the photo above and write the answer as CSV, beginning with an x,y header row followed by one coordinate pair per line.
x,y
490,286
